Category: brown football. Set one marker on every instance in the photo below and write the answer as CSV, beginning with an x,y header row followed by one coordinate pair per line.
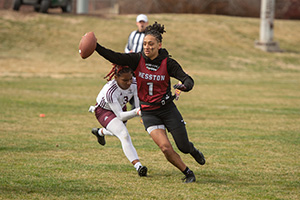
x,y
87,45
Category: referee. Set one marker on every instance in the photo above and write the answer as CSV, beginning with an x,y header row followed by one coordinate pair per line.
x,y
135,41
136,38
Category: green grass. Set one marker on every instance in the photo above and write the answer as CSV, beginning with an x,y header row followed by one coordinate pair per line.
x,y
243,113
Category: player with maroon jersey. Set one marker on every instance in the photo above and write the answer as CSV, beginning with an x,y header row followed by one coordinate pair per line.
x,y
153,68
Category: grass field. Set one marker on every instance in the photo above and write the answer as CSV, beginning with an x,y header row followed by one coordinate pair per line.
x,y
243,113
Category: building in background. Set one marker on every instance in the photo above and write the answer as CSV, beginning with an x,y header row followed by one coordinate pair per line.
x,y
284,9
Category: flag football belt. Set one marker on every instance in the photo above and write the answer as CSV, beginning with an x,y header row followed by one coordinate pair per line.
x,y
164,101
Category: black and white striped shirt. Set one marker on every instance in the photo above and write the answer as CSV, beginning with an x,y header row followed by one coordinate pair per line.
x,y
135,42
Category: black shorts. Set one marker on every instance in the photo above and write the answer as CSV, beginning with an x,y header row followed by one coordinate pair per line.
x,y
167,115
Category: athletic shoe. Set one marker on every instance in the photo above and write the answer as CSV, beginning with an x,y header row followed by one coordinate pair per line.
x,y
142,171
189,177
101,139
199,157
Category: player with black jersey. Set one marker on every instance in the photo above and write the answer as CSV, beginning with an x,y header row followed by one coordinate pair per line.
x,y
153,68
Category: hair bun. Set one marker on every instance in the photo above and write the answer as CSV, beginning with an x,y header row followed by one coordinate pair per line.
x,y
156,30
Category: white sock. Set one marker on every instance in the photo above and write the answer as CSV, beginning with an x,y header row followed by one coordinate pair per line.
x,y
103,131
137,165
100,132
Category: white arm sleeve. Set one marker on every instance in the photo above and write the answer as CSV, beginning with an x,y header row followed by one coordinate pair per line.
x,y
136,100
121,115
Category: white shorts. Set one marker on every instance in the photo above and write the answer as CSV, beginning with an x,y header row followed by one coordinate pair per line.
x,y
151,128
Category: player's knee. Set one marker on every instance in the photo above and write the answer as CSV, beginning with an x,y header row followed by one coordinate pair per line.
x,y
124,135
167,149
181,139
186,147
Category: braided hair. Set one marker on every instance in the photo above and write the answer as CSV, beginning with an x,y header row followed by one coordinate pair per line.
x,y
156,30
117,70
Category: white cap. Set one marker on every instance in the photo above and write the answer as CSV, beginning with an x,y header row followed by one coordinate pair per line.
x,y
141,17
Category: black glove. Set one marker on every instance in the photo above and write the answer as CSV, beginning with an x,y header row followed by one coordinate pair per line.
x,y
179,86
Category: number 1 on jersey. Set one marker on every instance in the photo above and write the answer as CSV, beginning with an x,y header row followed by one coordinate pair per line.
x,y
150,84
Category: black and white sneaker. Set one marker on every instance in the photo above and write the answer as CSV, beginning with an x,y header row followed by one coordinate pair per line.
x,y
199,157
101,139
189,177
142,171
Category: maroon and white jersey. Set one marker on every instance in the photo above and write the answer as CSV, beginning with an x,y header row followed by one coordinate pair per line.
x,y
152,83
112,93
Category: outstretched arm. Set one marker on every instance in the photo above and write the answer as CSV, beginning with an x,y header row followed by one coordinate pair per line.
x,y
123,115
131,60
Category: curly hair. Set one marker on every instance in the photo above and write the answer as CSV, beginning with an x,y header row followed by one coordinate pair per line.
x,y
156,30
117,70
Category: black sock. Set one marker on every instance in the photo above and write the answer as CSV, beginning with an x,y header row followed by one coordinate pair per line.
x,y
186,171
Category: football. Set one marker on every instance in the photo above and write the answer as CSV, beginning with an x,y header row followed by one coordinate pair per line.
x,y
87,45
